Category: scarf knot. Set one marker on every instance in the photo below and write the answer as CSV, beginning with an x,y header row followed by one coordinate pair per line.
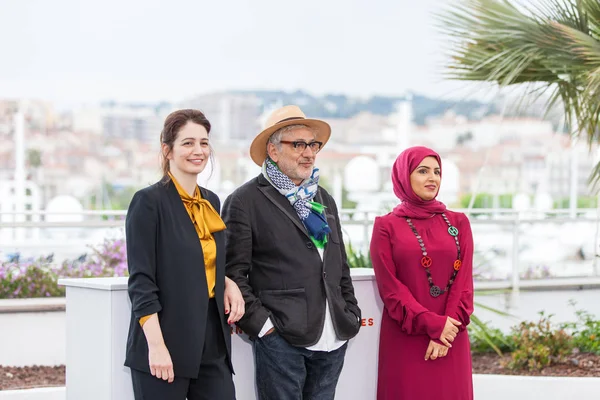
x,y
301,198
204,216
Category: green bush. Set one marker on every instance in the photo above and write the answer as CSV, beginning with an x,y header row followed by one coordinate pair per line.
x,y
582,202
539,344
486,200
488,340
585,332
357,259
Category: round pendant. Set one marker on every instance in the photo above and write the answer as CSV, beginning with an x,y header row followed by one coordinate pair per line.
x,y
426,262
435,291
457,265
453,231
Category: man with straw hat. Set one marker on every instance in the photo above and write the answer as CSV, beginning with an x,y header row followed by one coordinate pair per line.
x,y
285,251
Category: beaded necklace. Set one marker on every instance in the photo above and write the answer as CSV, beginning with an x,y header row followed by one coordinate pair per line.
x,y
426,261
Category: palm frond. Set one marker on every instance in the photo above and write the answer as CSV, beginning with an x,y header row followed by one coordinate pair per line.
x,y
585,47
555,43
494,310
592,11
594,179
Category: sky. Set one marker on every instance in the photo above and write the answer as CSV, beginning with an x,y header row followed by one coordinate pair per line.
x,y
74,51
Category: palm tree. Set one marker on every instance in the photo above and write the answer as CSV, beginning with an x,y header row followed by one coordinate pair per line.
x,y
551,46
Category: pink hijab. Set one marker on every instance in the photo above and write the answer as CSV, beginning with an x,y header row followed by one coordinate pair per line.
x,y
411,205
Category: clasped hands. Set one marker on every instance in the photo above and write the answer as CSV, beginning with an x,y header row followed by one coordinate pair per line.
x,y
435,350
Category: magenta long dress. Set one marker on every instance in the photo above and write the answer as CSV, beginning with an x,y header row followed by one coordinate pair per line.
x,y
411,316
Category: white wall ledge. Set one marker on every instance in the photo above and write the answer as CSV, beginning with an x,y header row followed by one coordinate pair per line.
x,y
365,274
42,304
50,393
501,387
57,304
110,283
490,387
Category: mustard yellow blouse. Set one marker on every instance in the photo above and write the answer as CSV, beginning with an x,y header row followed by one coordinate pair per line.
x,y
206,221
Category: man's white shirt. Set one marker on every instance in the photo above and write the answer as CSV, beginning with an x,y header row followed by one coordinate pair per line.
x,y
328,340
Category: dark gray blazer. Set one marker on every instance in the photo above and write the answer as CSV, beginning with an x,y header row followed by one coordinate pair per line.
x,y
167,276
278,269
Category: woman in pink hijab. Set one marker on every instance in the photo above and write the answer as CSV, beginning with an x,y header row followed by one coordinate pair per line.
x,y
422,255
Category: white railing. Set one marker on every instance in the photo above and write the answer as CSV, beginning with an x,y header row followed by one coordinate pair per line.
x,y
514,238
509,220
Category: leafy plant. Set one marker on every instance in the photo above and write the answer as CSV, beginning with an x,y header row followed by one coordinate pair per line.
x,y
107,259
539,344
486,340
358,259
585,331
38,277
31,278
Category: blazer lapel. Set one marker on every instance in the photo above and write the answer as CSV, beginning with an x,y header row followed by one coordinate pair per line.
x,y
181,214
281,202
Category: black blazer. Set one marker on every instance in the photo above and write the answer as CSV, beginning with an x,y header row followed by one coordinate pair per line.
x,y
167,276
278,269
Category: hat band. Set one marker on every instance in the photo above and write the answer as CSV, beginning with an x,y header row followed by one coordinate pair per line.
x,y
289,119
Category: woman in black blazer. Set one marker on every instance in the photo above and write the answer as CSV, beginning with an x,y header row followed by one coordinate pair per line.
x,y
179,343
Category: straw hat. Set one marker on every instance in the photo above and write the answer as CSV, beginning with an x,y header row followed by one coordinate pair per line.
x,y
285,116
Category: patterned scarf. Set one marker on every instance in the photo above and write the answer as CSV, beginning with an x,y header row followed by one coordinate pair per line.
x,y
311,213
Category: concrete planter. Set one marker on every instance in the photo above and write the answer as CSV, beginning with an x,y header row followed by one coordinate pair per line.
x,y
99,309
516,387
58,393
33,332
488,387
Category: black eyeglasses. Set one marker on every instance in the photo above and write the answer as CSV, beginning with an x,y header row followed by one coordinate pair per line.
x,y
300,145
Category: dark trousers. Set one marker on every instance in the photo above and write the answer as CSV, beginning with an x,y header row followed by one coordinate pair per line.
x,y
285,372
214,381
